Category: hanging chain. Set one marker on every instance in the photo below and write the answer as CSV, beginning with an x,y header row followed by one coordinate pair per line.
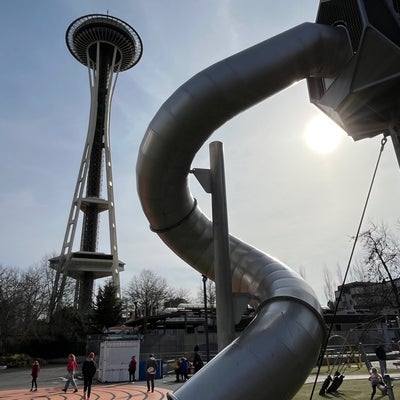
x,y
383,142
323,350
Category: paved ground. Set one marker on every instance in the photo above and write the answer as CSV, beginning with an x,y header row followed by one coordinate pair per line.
x,y
99,392
15,385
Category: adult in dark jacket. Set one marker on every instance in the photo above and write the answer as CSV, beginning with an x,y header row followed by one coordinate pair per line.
x,y
151,370
197,361
381,354
89,368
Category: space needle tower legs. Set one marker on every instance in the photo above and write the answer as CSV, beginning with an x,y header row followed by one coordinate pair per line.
x,y
106,46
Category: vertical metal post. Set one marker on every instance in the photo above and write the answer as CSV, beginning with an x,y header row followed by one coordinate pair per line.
x,y
206,318
222,267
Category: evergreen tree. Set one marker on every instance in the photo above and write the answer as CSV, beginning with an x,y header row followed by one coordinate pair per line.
x,y
107,310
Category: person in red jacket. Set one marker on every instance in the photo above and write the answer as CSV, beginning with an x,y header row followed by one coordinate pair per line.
x,y
35,374
71,368
132,369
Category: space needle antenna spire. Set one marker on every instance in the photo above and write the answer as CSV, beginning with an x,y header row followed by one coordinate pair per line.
x,y
106,46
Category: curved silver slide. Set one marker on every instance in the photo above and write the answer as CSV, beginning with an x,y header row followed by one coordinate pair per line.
x,y
274,355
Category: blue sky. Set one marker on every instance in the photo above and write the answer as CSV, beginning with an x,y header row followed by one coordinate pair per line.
x,y
295,204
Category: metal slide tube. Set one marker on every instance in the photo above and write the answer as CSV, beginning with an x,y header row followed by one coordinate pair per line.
x,y
287,333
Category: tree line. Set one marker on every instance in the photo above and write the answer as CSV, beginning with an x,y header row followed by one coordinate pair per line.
x,y
25,325
25,298
379,262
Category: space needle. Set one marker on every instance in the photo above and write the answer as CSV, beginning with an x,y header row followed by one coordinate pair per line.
x,y
106,46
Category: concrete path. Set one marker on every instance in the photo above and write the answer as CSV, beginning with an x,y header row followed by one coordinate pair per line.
x,y
15,385
99,392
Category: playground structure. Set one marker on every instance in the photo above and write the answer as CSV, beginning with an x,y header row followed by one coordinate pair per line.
x,y
348,358
288,331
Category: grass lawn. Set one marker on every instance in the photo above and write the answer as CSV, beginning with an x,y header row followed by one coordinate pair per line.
x,y
350,389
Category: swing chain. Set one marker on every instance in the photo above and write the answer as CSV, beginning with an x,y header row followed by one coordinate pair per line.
x,y
383,142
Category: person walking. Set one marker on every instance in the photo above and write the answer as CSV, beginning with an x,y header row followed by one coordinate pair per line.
x,y
35,374
197,361
184,368
89,368
151,370
381,354
132,369
176,368
71,368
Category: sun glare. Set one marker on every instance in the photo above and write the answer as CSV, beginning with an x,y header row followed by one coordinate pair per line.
x,y
322,134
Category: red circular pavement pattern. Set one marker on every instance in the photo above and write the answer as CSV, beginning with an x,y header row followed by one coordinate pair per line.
x,y
99,392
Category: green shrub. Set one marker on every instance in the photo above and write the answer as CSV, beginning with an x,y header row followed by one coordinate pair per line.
x,y
19,360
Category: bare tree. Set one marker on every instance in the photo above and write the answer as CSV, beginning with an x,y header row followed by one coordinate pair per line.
x,y
178,296
358,273
38,282
382,253
329,285
210,292
11,300
182,293
147,293
47,278
24,301
382,257
339,273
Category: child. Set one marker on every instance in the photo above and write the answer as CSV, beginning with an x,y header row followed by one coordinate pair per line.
x,y
184,368
376,382
35,374
176,368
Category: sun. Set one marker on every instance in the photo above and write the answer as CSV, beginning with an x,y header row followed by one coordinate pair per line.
x,y
322,134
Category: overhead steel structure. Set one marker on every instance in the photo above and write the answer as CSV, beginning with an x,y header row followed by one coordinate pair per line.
x,y
351,60
106,46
